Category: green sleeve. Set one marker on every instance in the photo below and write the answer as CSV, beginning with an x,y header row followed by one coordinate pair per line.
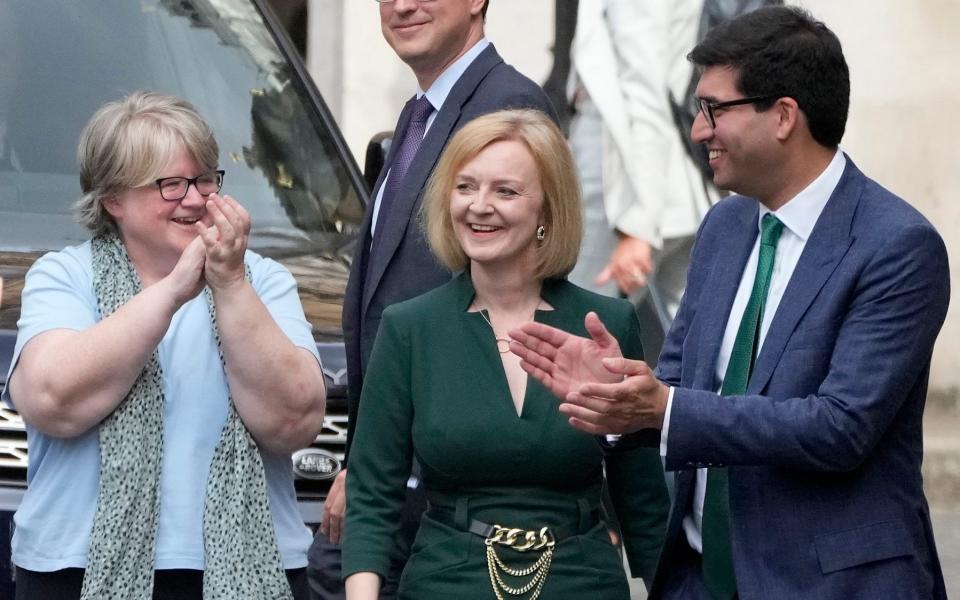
x,y
637,486
380,458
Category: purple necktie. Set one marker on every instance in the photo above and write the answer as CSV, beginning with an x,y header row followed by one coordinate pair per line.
x,y
416,127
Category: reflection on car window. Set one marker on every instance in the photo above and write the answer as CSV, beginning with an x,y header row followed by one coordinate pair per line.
x,y
62,60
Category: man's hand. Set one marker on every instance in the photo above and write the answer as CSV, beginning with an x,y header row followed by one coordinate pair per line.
x,y
601,391
563,362
630,264
638,402
334,509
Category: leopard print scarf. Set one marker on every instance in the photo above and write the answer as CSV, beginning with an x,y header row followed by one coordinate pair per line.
x,y
242,560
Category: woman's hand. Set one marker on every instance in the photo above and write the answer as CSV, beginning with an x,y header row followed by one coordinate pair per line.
x,y
277,387
186,280
225,242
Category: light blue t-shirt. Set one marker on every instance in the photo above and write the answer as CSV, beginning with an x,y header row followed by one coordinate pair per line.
x,y
54,521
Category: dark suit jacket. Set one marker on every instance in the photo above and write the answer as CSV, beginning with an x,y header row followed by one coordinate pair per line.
x,y
824,450
403,266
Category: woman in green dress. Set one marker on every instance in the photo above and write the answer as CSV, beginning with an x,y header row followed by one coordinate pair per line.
x,y
514,490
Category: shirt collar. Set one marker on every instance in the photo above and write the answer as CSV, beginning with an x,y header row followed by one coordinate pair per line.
x,y
800,214
438,92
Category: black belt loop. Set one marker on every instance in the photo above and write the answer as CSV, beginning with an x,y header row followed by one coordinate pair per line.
x,y
588,517
460,519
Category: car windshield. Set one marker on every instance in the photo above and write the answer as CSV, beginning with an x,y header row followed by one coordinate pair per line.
x,y
62,60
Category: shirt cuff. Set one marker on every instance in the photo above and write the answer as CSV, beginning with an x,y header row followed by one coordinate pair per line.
x,y
666,424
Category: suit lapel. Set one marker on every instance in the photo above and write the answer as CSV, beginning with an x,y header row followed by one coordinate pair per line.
x,y
361,266
722,284
828,243
408,199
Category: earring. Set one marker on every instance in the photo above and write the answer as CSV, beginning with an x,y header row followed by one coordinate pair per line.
x,y
541,233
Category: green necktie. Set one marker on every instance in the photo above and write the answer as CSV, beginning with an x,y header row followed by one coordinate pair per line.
x,y
717,563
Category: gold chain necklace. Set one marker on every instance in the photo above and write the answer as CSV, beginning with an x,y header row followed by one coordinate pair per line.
x,y
506,342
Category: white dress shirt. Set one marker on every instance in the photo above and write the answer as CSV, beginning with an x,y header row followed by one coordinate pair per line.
x,y
437,95
799,215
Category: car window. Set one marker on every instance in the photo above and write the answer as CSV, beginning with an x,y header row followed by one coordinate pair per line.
x,y
62,60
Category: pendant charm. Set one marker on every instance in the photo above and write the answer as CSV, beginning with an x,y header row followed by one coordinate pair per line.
x,y
503,345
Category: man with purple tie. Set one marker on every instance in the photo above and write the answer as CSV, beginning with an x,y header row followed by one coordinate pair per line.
x,y
460,76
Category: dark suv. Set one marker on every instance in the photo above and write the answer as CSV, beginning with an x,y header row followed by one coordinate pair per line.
x,y
284,157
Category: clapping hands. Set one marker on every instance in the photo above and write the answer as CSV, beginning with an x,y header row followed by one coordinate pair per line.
x,y
225,242
600,391
563,362
215,257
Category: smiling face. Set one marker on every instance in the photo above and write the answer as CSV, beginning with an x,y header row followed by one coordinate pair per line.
x,y
742,147
428,36
496,206
156,231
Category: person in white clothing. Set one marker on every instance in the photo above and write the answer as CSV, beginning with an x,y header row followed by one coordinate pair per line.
x,y
643,195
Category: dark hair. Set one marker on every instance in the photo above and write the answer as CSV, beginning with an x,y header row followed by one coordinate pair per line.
x,y
784,51
483,11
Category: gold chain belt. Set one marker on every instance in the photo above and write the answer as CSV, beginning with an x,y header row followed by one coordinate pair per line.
x,y
520,540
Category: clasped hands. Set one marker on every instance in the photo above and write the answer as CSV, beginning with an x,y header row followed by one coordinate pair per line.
x,y
601,391
215,257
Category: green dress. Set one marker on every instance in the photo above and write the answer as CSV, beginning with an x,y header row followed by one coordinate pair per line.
x,y
435,389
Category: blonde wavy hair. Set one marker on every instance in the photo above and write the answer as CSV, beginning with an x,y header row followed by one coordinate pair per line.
x,y
562,220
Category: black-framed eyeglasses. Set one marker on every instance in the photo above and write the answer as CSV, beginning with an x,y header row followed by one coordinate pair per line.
x,y
175,188
707,107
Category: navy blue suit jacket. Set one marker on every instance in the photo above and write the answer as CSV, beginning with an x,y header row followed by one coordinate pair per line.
x,y
403,266
824,450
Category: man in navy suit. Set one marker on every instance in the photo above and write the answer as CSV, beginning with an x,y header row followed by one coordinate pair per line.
x,y
803,480
461,75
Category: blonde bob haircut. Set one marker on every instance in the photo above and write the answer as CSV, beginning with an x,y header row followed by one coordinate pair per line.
x,y
562,219
129,142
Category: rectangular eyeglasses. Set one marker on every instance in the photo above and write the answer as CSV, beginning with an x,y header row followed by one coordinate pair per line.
x,y
707,107
175,188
